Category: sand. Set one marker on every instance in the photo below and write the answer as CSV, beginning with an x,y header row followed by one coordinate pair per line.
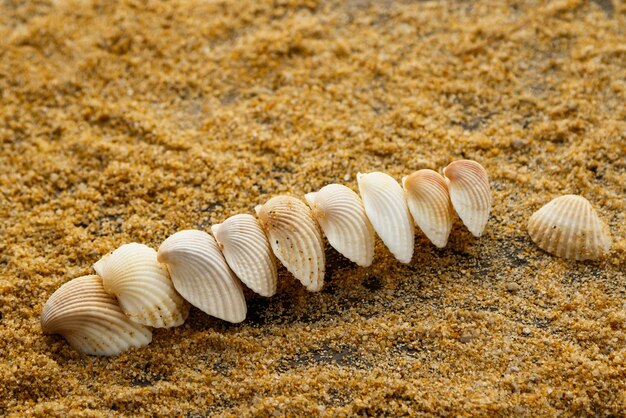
x,y
128,122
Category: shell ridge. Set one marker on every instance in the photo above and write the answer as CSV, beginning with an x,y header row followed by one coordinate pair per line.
x,y
201,274
255,258
295,239
93,324
387,210
569,227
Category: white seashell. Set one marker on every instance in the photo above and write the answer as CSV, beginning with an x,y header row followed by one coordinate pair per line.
x,y
295,239
201,275
569,227
386,209
470,193
91,320
248,252
430,205
340,213
142,287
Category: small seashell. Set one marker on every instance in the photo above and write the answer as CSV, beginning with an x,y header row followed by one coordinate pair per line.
x,y
201,275
248,252
569,227
386,209
340,213
142,287
468,185
91,320
295,239
430,205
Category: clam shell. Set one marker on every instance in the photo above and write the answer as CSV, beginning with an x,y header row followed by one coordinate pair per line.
x,y
142,286
430,205
91,320
248,252
340,213
569,227
470,194
386,209
295,239
201,275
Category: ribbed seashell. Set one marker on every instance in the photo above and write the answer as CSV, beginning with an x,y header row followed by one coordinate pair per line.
x,y
142,286
385,206
201,275
429,203
569,227
295,239
248,252
91,320
340,213
470,194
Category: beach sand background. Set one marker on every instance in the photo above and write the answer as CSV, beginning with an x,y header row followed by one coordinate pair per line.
x,y
128,121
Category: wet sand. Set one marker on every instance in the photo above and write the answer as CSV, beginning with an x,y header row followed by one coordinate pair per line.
x,y
126,123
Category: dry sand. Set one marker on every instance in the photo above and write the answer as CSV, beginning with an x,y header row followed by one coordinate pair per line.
x,y
128,122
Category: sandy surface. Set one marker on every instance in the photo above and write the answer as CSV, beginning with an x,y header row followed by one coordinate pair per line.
x,y
128,122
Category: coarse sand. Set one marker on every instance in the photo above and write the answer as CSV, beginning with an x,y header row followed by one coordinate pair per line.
x,y
126,121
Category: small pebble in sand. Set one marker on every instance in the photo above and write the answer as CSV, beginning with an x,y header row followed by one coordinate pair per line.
x,y
466,337
512,287
519,143
526,331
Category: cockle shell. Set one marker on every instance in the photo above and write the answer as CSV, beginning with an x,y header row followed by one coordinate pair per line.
x,y
295,239
142,286
248,252
470,194
430,205
569,227
386,209
91,320
341,214
201,275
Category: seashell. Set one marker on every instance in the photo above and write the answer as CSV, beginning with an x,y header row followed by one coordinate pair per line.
x,y
386,209
91,320
142,287
430,205
201,275
468,185
248,252
340,213
295,239
569,227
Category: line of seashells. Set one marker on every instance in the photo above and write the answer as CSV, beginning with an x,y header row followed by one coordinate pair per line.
x,y
137,287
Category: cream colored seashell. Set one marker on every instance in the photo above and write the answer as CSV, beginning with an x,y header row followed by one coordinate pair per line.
x,y
295,239
142,286
470,194
340,213
91,320
201,275
569,227
386,209
430,205
248,252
